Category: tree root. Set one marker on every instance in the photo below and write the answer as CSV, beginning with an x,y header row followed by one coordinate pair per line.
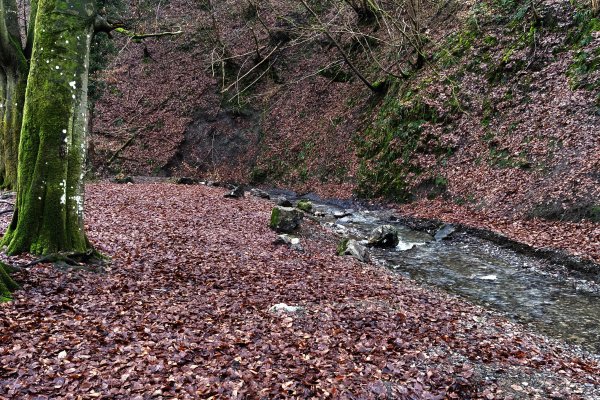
x,y
90,260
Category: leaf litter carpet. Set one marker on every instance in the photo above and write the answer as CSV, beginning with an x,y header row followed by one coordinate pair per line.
x,y
183,312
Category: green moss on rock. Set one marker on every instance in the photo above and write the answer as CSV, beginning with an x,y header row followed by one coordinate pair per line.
x,y
275,218
304,205
342,246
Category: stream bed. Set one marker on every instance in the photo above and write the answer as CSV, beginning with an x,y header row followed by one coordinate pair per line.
x,y
525,289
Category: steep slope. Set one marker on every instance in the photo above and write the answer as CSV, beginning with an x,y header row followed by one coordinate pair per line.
x,y
502,115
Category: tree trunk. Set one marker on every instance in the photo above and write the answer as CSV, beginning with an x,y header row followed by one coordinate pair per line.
x,y
13,79
48,215
7,285
13,100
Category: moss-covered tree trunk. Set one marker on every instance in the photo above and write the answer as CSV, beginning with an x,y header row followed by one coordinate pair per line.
x,y
49,212
13,80
7,285
10,125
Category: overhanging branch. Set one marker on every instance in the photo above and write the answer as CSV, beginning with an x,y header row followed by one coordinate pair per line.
x,y
103,25
141,36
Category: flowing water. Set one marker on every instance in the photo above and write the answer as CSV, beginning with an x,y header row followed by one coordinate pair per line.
x,y
523,288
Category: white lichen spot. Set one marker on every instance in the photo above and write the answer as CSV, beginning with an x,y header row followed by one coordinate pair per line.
x,y
47,61
79,201
66,41
57,67
64,131
39,197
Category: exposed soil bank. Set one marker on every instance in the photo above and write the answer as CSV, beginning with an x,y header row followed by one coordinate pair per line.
x,y
581,267
576,245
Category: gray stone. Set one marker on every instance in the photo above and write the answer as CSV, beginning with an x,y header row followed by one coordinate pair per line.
x,y
283,202
384,236
357,250
236,193
284,308
444,232
184,180
342,213
259,193
292,242
285,219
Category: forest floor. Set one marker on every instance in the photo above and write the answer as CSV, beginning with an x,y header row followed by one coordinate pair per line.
x,y
183,312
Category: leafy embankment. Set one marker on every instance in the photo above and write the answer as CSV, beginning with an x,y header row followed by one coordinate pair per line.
x,y
500,115
184,312
504,118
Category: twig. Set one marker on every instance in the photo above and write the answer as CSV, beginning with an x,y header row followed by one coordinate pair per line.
x,y
141,36
120,149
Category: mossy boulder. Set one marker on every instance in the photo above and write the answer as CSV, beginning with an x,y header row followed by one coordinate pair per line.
x,y
305,205
384,236
285,219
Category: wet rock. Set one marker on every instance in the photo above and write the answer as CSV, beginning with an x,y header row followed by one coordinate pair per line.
x,y
259,193
211,183
342,213
305,205
121,178
384,236
236,193
357,250
487,277
283,202
185,180
284,308
285,219
292,242
444,232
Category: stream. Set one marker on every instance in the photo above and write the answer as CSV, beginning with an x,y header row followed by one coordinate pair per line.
x,y
525,289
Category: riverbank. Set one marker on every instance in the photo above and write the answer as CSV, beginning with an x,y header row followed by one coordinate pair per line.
x,y
578,239
184,312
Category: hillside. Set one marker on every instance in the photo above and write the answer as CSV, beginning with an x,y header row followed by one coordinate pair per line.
x,y
499,116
